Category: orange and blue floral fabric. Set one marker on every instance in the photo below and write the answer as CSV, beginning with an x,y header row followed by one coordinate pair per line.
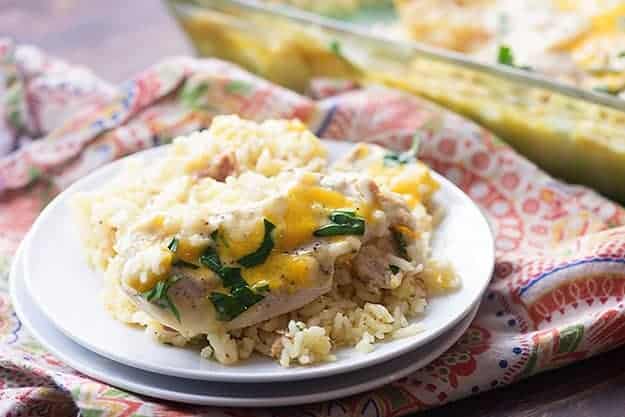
x,y
557,294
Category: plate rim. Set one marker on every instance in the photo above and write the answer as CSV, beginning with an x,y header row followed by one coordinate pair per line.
x,y
224,375
449,337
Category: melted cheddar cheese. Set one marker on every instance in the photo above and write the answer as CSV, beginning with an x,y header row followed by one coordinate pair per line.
x,y
188,252
283,271
296,205
306,207
413,181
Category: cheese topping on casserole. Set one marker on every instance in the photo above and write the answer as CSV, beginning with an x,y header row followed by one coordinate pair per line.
x,y
576,41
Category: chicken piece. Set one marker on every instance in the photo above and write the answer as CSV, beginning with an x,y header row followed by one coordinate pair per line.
x,y
277,303
224,166
190,295
378,265
372,266
298,268
396,210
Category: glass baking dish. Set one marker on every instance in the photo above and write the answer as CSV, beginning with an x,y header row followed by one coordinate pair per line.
x,y
572,133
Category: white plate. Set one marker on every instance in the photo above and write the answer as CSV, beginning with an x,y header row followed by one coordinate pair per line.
x,y
68,292
219,393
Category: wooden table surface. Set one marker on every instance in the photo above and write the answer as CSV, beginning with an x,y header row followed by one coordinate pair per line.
x,y
117,38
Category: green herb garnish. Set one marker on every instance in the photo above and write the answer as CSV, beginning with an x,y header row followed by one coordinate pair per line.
x,y
260,255
394,269
397,158
241,297
159,295
173,245
335,48
246,296
231,277
400,243
157,291
219,238
229,306
210,259
506,57
342,216
344,222
332,229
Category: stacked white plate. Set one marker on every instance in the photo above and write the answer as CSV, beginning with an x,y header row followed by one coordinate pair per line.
x,y
57,297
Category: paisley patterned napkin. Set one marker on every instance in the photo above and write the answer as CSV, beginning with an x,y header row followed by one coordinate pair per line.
x,y
559,283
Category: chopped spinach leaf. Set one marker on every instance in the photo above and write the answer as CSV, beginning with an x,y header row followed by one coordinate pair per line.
x,y
260,255
170,304
246,296
333,229
397,158
335,48
229,306
219,238
343,217
506,57
156,293
344,222
159,295
210,259
231,277
173,245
